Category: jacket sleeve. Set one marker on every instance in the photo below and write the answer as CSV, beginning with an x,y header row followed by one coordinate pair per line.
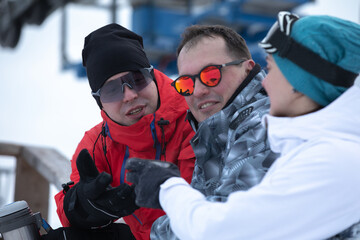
x,y
88,143
298,184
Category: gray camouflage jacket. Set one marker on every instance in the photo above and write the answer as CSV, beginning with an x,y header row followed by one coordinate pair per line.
x,y
231,148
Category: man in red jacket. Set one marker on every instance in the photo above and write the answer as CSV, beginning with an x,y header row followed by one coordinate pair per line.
x,y
142,117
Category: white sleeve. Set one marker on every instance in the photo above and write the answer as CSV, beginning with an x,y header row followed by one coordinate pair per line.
x,y
313,197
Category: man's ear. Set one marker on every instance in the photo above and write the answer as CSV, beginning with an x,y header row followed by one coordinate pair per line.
x,y
249,64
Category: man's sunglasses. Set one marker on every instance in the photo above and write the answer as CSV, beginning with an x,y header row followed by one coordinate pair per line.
x,y
210,76
113,91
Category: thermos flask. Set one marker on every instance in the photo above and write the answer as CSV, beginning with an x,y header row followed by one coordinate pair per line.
x,y
18,222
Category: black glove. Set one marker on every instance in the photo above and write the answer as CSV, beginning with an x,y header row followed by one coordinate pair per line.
x,y
92,202
147,176
116,231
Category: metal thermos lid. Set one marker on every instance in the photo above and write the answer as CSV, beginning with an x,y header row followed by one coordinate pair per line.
x,y
16,215
14,207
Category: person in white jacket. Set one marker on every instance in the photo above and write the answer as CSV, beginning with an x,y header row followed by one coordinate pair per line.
x,y
312,190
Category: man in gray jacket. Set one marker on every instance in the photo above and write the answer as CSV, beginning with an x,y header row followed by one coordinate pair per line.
x,y
222,87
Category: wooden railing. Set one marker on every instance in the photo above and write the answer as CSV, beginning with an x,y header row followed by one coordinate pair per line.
x,y
36,169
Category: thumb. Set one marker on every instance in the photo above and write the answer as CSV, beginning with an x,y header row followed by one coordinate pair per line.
x,y
97,187
136,164
86,166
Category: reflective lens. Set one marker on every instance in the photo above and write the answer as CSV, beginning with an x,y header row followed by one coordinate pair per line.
x,y
210,76
113,90
184,85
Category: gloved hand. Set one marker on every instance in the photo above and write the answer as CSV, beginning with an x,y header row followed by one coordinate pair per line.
x,y
92,202
147,176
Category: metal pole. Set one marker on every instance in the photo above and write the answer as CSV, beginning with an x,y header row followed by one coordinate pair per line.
x,y
113,11
63,38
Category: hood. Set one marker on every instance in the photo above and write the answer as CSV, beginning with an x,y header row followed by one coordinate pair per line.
x,y
339,120
138,136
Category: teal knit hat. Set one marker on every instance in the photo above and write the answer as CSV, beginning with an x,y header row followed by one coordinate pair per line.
x,y
336,41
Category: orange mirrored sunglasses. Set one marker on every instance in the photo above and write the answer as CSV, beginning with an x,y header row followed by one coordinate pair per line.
x,y
210,76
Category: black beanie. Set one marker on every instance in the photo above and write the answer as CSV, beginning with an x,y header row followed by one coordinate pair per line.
x,y
110,50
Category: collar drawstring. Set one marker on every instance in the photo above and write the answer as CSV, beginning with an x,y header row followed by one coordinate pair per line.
x,y
162,122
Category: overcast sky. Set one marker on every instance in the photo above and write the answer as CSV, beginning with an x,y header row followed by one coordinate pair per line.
x,y
43,105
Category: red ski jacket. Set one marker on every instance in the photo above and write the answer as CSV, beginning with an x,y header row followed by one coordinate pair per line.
x,y
144,139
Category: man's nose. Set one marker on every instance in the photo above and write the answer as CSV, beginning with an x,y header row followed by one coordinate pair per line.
x,y
200,89
129,93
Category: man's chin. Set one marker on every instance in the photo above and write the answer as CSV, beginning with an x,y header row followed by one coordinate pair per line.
x,y
202,116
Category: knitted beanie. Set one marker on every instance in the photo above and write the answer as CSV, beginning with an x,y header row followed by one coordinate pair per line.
x,y
110,50
333,39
